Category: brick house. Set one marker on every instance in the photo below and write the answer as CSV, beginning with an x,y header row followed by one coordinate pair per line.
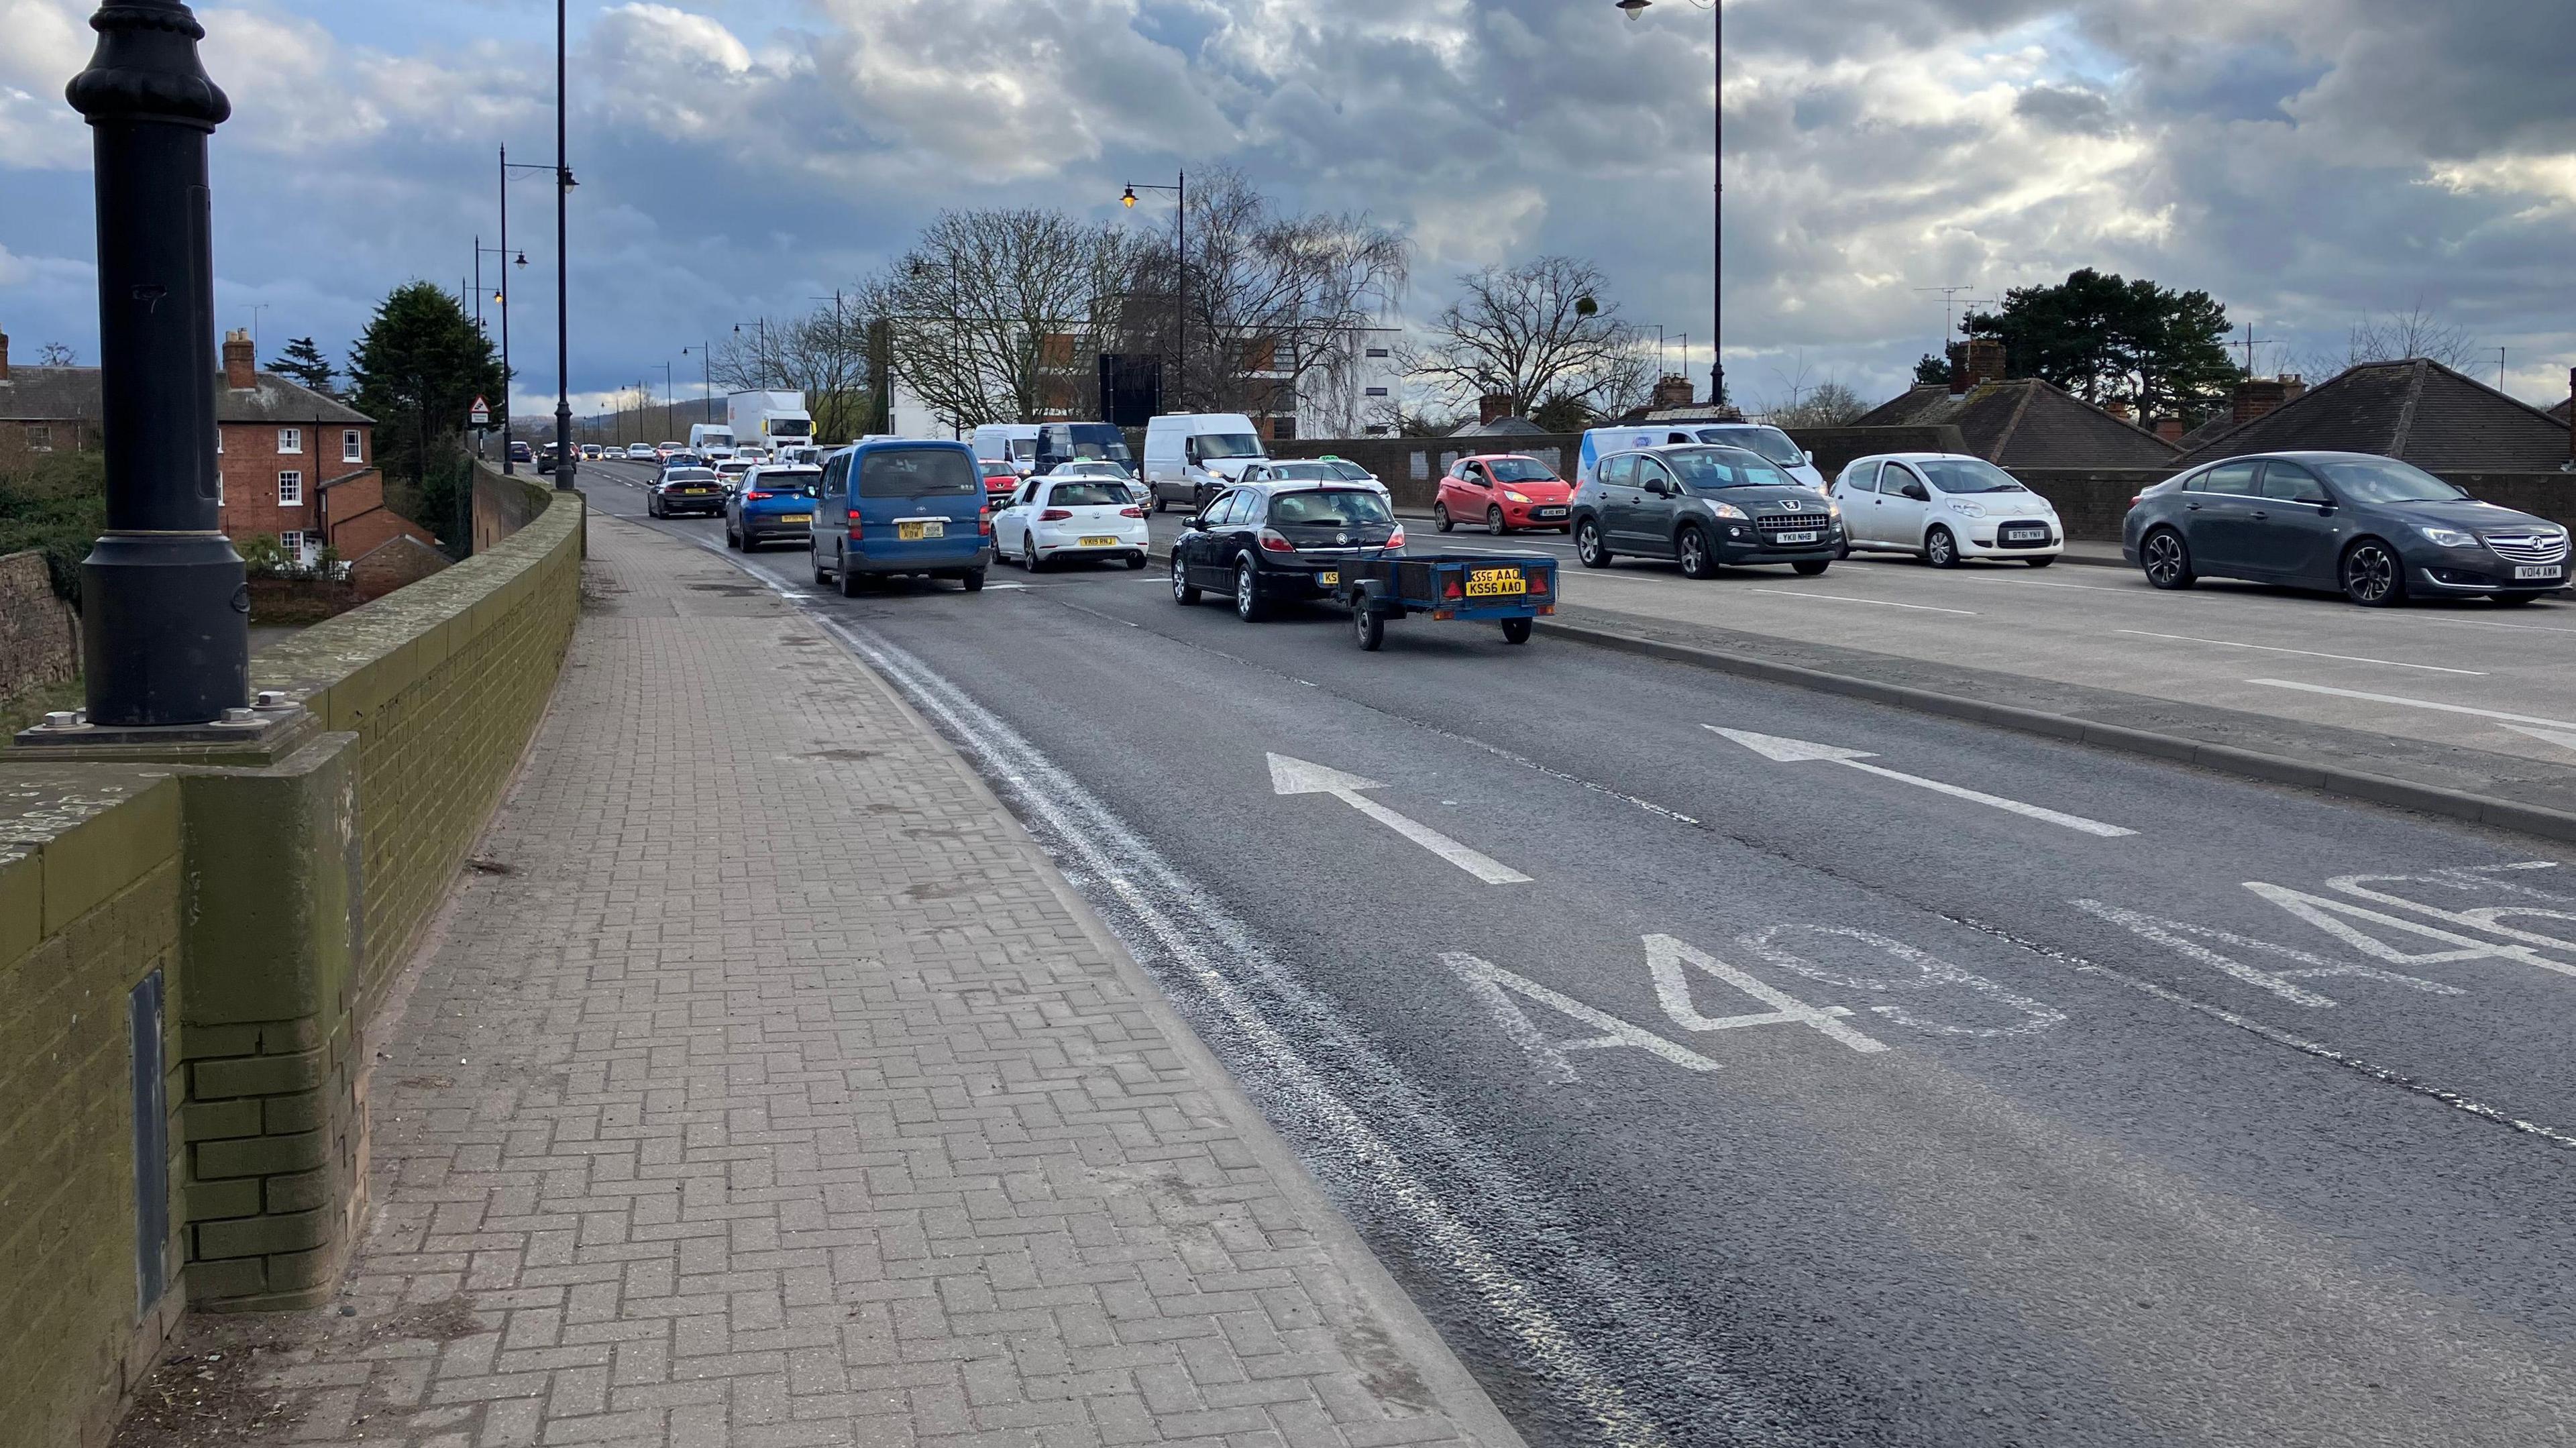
x,y
295,465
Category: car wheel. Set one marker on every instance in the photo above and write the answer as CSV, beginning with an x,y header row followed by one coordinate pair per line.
x,y
1494,520
1940,549
1029,552
1587,545
1440,518
733,540
1158,500
1692,545
1516,630
973,578
1183,592
1136,560
2373,575
2041,562
849,580
822,575
2165,559
1247,591
1813,566
1368,625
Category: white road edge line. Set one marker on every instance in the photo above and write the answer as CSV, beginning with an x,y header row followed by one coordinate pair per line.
x,y
1845,598
2303,653
2414,703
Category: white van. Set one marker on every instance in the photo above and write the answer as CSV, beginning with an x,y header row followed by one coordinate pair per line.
x,y
1015,443
1190,455
1769,442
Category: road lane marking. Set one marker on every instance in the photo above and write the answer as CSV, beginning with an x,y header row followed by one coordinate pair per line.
x,y
2326,914
1846,598
1797,751
1296,776
2496,714
2303,653
2172,933
1495,986
1665,957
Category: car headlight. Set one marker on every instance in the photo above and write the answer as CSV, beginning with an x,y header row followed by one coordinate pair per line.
x,y
1833,510
1968,510
2447,537
1726,510
1515,497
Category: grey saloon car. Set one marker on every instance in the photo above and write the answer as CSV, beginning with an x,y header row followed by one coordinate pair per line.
x,y
2375,529
1703,506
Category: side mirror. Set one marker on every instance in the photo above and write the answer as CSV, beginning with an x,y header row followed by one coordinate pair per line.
x,y
1660,488
1916,492
1810,456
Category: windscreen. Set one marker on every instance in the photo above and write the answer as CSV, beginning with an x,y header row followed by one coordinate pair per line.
x,y
1098,440
791,427
917,473
1771,442
1724,467
1521,470
2386,480
1089,495
1968,475
1329,508
1227,445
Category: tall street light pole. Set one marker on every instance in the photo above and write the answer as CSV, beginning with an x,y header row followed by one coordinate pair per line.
x,y
706,379
507,377
565,455
667,428
1181,285
165,627
1717,204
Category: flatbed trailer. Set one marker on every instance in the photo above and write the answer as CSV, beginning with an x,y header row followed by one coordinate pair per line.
x,y
1509,589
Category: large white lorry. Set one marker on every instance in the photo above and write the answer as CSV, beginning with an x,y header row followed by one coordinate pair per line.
x,y
769,420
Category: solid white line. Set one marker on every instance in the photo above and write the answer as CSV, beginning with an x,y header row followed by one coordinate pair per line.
x,y
1842,598
2072,822
2304,653
2415,703
1483,867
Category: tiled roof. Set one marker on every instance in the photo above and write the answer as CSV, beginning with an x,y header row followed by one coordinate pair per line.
x,y
1499,427
2026,423
62,394
2418,411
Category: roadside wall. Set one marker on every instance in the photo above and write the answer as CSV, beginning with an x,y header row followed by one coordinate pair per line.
x,y
39,633
272,897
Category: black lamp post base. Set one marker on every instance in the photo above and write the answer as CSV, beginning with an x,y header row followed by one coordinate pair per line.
x,y
186,593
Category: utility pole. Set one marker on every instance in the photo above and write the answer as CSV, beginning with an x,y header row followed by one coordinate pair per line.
x,y
567,459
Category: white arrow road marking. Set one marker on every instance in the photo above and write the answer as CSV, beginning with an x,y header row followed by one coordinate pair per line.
x,y
2564,739
1795,751
2555,731
1296,776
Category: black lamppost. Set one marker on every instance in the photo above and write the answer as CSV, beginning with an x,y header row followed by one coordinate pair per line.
x,y
500,299
1181,286
566,456
1717,206
165,626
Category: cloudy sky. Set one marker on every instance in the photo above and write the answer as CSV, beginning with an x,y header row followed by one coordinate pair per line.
x,y
2306,161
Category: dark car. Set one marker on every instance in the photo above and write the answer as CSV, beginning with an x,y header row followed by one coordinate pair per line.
x,y
2375,529
681,492
1065,442
520,452
1705,506
1270,543
773,503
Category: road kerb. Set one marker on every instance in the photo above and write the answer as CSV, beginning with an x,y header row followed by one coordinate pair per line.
x,y
2225,758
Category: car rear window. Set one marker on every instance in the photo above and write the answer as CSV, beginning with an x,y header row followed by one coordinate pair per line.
x,y
1090,495
917,473
798,482
1329,508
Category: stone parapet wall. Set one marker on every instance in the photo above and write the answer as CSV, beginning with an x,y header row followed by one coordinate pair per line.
x,y
39,633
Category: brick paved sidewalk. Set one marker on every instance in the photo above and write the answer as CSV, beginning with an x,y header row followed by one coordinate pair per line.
x,y
764,1089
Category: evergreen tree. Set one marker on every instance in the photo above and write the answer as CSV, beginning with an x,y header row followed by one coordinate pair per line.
x,y
305,363
417,371
1931,372
2108,339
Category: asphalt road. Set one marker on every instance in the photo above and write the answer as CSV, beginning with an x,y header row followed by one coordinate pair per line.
x,y
1981,1090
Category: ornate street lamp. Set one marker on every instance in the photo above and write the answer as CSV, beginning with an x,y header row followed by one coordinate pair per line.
x,y
1181,284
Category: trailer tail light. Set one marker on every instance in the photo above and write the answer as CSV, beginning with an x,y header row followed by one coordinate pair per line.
x,y
854,525
1450,588
1054,515
1537,582
1272,541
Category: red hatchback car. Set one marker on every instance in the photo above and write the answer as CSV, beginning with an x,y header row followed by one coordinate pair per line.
x,y
1503,491
1001,480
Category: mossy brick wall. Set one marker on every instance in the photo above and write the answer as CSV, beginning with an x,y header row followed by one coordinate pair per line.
x,y
90,903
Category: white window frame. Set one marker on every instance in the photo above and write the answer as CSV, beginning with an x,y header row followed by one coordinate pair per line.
x,y
290,440
290,489
291,543
350,451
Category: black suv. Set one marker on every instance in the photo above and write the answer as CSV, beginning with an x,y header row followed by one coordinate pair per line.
x,y
2375,529
1270,542
1703,505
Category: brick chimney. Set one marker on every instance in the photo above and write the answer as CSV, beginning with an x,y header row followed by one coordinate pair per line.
x,y
2117,409
4,356
1985,362
2261,396
241,364
2169,428
1491,406
1673,391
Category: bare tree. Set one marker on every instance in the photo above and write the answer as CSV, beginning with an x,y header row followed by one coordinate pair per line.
x,y
2399,336
1539,333
55,354
1279,306
1827,404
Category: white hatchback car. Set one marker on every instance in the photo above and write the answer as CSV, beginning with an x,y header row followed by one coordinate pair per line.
x,y
1943,507
1056,517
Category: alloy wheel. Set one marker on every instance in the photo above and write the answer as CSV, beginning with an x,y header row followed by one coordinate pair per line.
x,y
2370,575
2166,564
1694,554
1494,520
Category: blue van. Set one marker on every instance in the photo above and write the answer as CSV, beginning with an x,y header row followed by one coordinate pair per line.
x,y
901,506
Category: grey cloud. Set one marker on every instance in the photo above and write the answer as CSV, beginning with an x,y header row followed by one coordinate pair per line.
x,y
2065,108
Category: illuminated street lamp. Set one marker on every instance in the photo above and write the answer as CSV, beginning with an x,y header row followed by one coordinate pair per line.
x,y
1181,287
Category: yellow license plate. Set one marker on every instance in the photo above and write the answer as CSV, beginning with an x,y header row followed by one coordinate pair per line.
x,y
795,517
919,529
1328,578
1099,542
1495,582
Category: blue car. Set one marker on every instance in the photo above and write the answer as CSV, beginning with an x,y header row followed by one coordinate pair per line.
x,y
901,507
770,503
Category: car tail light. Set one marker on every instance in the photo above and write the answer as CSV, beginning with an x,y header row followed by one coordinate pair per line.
x,y
2140,498
1273,542
1131,512
984,525
756,497
854,525
1396,538
1054,515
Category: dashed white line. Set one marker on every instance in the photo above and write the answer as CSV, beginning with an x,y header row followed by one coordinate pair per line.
x,y
2496,714
1879,602
2303,653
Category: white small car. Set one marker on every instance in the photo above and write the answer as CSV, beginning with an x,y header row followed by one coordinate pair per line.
x,y
1945,507
1098,468
1319,470
1055,517
640,452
